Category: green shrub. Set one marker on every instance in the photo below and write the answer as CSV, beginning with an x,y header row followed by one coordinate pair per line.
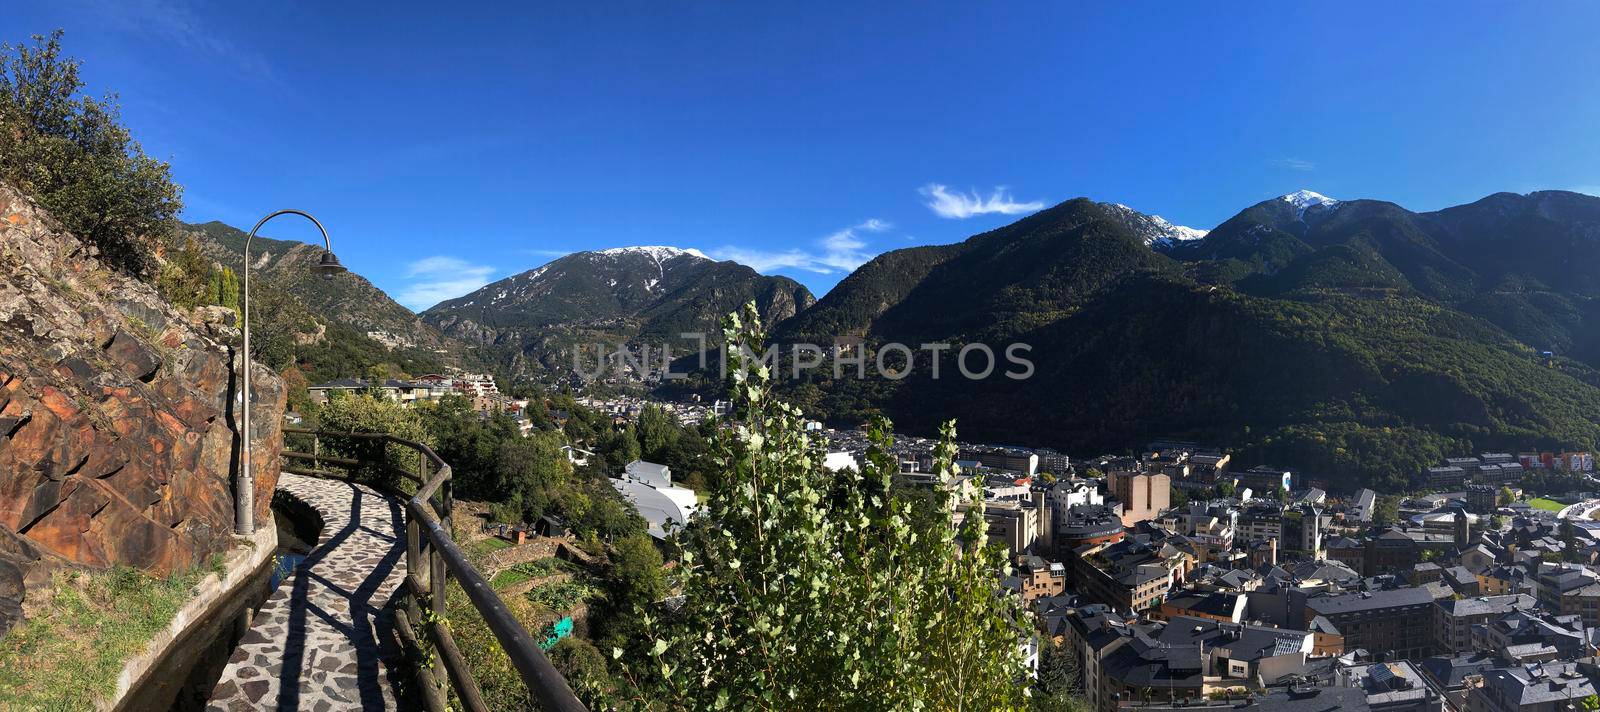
x,y
363,413
71,153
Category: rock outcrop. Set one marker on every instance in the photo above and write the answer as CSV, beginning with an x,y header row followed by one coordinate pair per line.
x,y
117,416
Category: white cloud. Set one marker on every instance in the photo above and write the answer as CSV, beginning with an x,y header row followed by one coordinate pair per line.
x,y
958,205
841,251
1295,164
435,279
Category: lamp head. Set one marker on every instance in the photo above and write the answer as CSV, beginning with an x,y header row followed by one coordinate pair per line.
x,y
329,265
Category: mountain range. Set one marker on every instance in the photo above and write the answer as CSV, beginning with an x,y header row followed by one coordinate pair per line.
x,y
529,322
1354,340
329,327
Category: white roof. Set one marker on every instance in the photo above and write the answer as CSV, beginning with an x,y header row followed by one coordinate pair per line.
x,y
837,461
658,506
649,473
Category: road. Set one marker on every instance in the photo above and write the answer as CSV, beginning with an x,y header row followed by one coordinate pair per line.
x,y
1581,510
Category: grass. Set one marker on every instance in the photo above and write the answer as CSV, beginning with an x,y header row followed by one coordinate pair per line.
x,y
484,547
508,577
561,597
531,570
68,655
1548,505
497,678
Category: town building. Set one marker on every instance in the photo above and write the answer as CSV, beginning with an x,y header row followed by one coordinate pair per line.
x,y
1013,460
1545,687
1130,575
1041,578
1260,520
1445,476
1264,480
1483,498
1088,524
1555,582
1301,531
1090,635
1395,623
1454,618
1254,654
1144,496
1212,605
1055,463
662,504
1014,523
402,392
1395,686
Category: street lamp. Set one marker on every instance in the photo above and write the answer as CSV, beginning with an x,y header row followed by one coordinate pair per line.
x,y
244,502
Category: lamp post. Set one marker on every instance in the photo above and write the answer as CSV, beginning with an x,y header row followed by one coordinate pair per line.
x,y
244,502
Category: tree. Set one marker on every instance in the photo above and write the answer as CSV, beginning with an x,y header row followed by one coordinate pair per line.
x,y
657,432
470,443
603,513
299,397
619,448
224,289
532,471
1570,549
580,663
187,278
1178,499
809,589
635,572
634,581
1059,680
361,413
1387,510
71,153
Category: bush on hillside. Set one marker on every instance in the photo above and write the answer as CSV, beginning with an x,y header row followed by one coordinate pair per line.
x,y
71,153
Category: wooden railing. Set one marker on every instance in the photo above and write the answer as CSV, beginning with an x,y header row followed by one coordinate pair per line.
x,y
428,540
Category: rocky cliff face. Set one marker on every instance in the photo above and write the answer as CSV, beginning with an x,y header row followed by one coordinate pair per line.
x,y
117,427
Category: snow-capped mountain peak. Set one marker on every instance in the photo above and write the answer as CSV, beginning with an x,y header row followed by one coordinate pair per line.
x,y
1303,200
1156,230
657,252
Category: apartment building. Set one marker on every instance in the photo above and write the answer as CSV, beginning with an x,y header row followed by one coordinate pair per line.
x,y
1454,618
1395,622
1144,496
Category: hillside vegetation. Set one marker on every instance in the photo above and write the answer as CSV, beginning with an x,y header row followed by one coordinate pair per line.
x,y
1356,342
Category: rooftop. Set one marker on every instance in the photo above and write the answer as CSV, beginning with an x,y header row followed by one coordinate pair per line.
x,y
1538,683
1487,605
1314,699
1344,604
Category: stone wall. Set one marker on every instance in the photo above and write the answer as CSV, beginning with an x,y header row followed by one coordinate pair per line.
x,y
117,426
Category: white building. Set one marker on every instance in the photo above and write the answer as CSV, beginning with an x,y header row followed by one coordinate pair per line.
x,y
840,461
649,487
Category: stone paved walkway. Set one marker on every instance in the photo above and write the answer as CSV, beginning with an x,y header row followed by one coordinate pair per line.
x,y
322,640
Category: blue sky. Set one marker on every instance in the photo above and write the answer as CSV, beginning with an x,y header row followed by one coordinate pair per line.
x,y
445,145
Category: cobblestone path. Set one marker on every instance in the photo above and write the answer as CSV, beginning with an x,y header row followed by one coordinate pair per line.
x,y
322,640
